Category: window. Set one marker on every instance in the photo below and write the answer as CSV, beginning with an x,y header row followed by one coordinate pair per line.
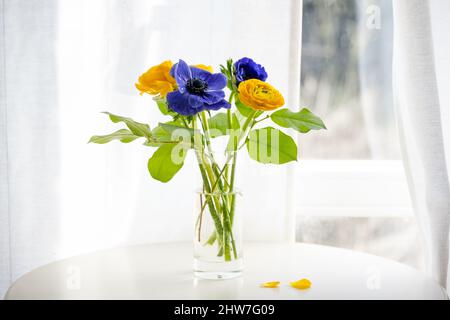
x,y
352,189
346,76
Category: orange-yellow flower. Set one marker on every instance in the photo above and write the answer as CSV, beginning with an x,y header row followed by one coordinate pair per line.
x,y
301,284
157,80
272,284
204,67
260,95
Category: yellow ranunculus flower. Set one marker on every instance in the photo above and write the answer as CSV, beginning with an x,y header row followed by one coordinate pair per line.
x,y
204,67
302,284
157,80
260,95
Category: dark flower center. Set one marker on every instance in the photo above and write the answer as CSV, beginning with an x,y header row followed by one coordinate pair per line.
x,y
196,86
247,74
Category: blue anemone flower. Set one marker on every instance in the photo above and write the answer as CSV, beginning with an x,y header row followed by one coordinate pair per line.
x,y
246,69
198,90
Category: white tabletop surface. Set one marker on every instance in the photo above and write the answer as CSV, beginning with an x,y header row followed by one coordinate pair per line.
x,y
164,271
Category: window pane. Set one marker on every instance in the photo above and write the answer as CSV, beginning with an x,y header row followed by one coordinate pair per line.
x,y
393,238
346,79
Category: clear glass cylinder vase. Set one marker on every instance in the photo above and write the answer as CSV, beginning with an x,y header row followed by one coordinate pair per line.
x,y
217,236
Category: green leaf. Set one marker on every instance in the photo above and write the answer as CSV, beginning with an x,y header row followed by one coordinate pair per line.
x,y
167,160
122,135
269,145
171,127
160,135
239,118
302,121
139,129
218,125
170,133
242,108
245,110
163,107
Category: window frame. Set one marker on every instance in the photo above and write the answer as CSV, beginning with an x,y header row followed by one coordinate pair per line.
x,y
351,188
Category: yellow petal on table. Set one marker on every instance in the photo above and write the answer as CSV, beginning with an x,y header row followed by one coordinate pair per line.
x,y
301,284
272,284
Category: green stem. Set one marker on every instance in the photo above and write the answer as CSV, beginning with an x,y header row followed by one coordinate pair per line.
x,y
230,121
223,234
212,238
221,207
233,196
215,167
205,126
260,120
228,234
243,134
213,188
207,186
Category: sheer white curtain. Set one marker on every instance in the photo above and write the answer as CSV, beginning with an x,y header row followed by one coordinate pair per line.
x,y
29,137
62,63
422,82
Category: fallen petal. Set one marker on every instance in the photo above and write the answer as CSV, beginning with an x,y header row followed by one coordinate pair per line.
x,y
272,284
301,284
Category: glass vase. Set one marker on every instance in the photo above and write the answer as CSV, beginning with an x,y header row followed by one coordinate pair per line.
x,y
217,236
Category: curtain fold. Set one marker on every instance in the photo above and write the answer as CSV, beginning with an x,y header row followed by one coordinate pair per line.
x,y
5,270
29,140
419,106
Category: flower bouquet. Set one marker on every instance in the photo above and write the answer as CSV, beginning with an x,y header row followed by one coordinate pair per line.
x,y
194,99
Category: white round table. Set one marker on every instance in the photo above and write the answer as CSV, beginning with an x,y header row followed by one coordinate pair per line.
x,y
164,271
